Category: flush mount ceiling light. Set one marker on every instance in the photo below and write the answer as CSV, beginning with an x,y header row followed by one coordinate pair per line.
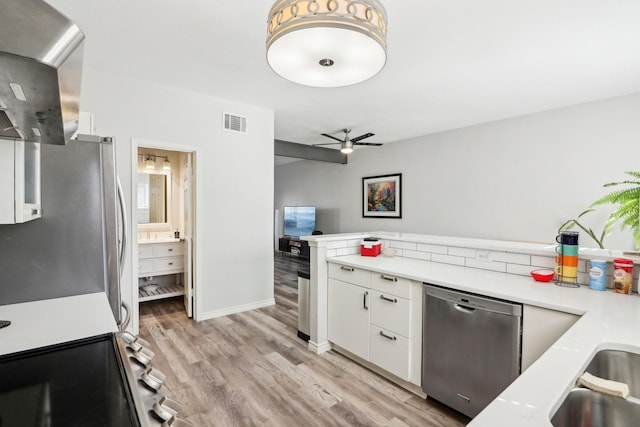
x,y
328,43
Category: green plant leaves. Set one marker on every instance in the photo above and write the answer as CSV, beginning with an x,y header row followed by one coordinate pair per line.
x,y
628,199
627,213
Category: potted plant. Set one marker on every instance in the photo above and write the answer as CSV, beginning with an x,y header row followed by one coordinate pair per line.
x,y
627,212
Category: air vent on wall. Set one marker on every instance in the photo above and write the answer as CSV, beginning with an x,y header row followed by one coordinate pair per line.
x,y
234,123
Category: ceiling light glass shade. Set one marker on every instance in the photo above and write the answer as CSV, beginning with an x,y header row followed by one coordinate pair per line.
x,y
329,43
346,147
149,163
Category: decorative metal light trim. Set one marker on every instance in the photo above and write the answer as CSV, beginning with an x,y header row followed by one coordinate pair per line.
x,y
327,43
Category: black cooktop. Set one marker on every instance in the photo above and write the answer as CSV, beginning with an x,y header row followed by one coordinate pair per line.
x,y
73,384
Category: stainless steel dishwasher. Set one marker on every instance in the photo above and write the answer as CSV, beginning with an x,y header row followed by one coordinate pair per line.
x,y
470,347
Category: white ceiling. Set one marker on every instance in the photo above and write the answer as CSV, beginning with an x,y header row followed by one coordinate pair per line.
x,y
450,63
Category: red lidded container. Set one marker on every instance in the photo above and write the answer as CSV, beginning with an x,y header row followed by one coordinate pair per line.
x,y
622,275
370,247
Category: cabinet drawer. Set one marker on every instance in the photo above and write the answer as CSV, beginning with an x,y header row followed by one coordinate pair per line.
x,y
168,264
389,351
145,266
350,274
167,249
390,312
145,251
387,283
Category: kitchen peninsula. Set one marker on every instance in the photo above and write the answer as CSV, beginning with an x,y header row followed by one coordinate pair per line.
x,y
496,269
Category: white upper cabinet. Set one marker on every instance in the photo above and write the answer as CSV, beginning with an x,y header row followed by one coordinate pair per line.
x,y
19,181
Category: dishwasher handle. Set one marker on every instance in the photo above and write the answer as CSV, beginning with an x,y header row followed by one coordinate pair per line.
x,y
464,309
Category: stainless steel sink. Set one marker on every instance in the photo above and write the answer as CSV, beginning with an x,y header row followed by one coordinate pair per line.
x,y
617,365
584,407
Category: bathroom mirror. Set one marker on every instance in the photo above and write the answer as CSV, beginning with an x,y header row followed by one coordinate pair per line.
x,y
154,198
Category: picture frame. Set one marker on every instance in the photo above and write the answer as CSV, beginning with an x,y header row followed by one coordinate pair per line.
x,y
382,196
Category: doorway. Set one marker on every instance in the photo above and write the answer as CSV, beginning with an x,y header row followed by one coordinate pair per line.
x,y
163,224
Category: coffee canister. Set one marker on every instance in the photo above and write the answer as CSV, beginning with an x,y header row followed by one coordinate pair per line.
x,y
597,275
622,275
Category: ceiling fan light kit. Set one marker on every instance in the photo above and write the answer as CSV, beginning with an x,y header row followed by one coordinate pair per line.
x,y
346,147
329,43
346,144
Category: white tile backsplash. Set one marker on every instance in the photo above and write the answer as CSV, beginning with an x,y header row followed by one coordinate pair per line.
x,y
347,251
484,265
434,249
498,260
543,261
522,270
412,246
464,252
511,258
337,244
416,255
447,259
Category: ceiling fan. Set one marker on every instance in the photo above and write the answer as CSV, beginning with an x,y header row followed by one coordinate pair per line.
x,y
346,144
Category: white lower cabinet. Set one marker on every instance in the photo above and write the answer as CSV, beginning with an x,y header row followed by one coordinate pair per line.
x,y
542,327
377,318
390,312
160,270
390,351
349,317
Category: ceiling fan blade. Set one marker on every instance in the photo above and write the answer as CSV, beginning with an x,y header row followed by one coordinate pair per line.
x,y
328,143
361,137
376,144
332,137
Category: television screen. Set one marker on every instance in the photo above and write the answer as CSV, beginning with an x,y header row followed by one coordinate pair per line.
x,y
299,220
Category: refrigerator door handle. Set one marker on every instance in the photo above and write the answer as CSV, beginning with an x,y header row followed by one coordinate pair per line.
x,y
124,232
127,317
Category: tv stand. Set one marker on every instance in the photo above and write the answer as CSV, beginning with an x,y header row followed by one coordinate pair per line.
x,y
294,246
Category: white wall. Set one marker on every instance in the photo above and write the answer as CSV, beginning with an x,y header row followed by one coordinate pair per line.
x,y
514,179
234,182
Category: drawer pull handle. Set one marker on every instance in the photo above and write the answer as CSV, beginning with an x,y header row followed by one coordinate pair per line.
x,y
382,297
170,263
170,250
390,279
364,301
389,337
343,268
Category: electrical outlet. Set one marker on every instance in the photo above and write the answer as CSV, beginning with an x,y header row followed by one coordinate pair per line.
x,y
483,256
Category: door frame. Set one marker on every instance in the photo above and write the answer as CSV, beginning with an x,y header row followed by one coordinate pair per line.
x,y
136,143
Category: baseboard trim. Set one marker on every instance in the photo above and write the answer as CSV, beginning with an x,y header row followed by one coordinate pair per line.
x,y
237,309
318,348
407,385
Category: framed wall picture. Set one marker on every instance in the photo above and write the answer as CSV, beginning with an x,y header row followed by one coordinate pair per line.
x,y
382,196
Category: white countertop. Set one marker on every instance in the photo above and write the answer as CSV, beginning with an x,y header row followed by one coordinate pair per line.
x,y
52,321
609,320
160,240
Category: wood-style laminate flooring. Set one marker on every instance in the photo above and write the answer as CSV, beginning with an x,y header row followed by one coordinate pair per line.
x,y
251,369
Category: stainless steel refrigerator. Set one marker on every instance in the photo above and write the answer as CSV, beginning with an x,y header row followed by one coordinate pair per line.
x,y
77,246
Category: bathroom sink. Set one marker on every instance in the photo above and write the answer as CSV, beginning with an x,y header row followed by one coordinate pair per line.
x,y
583,407
158,240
